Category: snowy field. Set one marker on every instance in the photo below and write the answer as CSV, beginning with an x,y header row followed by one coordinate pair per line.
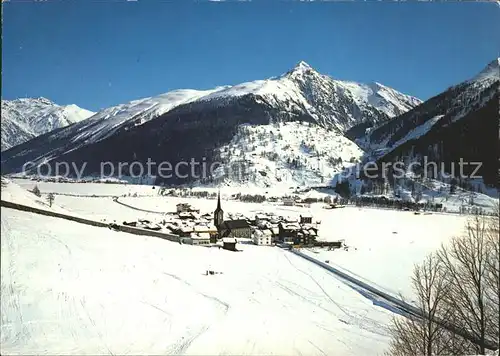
x,y
69,288
87,188
383,245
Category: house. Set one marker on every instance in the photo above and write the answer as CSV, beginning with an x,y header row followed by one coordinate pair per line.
x,y
181,231
200,238
186,208
184,215
275,231
261,219
305,219
296,234
210,229
262,238
229,243
287,232
183,207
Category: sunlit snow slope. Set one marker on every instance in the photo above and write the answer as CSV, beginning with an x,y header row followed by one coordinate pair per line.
x,y
75,289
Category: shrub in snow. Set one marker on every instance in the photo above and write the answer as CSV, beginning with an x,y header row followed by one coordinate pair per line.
x,y
36,191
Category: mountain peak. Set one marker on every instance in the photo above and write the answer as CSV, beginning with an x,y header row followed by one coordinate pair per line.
x,y
302,66
28,100
299,69
491,71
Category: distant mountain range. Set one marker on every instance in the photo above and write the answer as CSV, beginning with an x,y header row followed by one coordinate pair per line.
x,y
460,123
24,119
300,128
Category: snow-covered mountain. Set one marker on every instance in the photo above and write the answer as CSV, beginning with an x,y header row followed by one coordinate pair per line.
x,y
331,103
284,154
24,119
459,123
185,124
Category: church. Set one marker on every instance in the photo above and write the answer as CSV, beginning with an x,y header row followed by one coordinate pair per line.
x,y
230,228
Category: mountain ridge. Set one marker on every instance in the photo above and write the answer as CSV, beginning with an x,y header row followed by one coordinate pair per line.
x,y
206,125
26,118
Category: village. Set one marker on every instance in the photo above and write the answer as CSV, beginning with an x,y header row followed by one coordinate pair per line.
x,y
226,229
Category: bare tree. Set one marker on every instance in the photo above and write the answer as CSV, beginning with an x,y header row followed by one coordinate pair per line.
x,y
50,198
492,275
423,336
458,292
466,262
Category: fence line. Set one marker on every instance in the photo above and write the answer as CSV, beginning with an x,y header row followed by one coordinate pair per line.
x,y
122,228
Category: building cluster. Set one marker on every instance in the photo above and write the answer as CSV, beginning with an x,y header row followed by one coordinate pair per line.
x,y
268,228
262,229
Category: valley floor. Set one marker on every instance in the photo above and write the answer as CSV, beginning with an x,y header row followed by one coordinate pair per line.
x,y
69,288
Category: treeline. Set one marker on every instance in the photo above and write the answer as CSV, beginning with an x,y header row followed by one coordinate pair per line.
x,y
187,193
249,198
395,204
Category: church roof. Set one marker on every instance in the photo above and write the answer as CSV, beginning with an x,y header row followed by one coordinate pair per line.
x,y
235,224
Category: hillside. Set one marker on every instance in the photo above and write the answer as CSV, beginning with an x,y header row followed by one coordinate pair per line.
x,y
459,123
99,291
284,154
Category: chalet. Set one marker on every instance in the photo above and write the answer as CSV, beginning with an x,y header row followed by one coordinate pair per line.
x,y
305,219
200,238
208,229
229,243
181,231
183,207
186,208
288,232
262,238
186,215
261,218
289,219
297,234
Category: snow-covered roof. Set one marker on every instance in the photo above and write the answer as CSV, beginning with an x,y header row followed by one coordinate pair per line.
x,y
291,226
200,236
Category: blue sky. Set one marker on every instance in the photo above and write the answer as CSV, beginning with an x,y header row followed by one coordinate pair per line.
x,y
101,53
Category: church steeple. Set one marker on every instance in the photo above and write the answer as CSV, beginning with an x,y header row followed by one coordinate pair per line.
x,y
218,213
218,201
